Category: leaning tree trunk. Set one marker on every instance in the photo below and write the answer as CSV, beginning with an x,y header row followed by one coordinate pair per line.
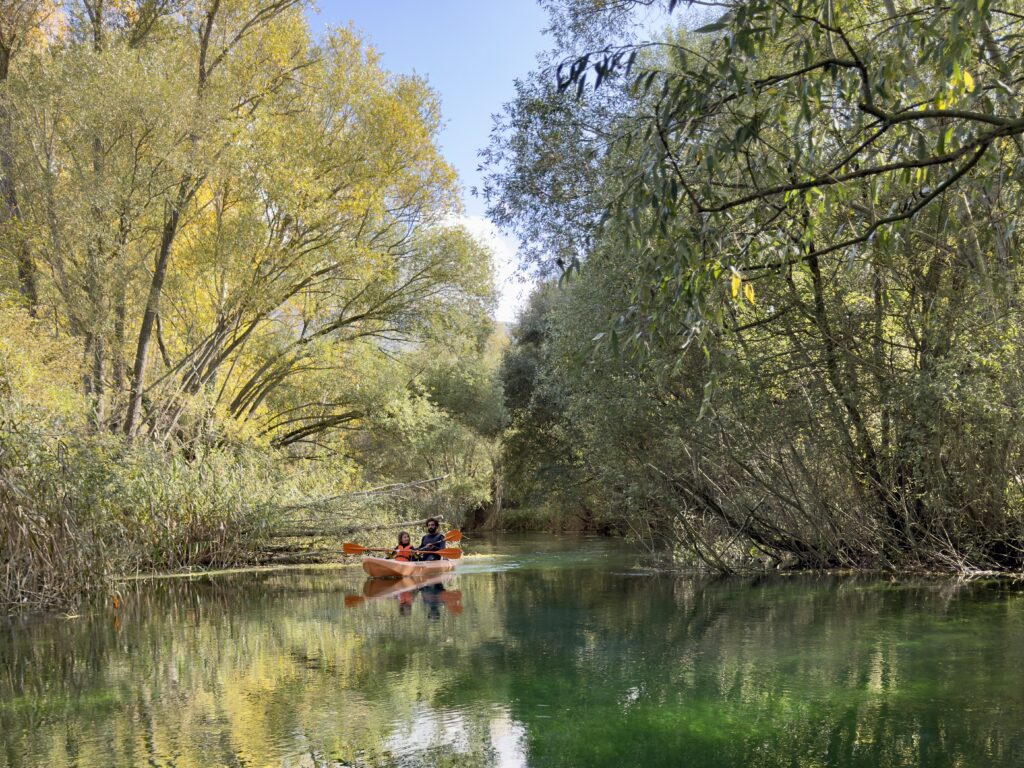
x,y
156,287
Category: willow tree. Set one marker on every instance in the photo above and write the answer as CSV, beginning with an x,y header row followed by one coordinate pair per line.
x,y
23,25
810,211
328,229
218,235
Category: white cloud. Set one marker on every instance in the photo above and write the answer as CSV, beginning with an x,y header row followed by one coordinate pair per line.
x,y
513,289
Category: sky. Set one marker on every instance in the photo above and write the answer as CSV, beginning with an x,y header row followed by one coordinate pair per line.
x,y
470,52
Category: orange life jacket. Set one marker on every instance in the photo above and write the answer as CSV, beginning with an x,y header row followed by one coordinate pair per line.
x,y
403,553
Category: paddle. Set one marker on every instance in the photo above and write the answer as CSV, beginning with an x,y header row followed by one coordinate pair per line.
x,y
452,600
451,536
451,553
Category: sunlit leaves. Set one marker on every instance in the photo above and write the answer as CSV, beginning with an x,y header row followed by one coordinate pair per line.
x,y
780,127
311,202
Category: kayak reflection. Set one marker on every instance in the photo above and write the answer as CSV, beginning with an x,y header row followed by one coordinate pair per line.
x,y
432,592
436,595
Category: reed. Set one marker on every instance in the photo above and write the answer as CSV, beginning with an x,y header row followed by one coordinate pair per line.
x,y
77,509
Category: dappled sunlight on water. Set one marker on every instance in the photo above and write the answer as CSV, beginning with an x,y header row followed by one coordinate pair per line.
x,y
536,652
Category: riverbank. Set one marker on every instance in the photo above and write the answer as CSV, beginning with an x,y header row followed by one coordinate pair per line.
x,y
81,510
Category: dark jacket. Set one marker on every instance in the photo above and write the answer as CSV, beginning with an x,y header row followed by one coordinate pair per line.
x,y
429,542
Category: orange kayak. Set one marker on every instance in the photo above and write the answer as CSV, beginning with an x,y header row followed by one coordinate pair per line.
x,y
382,568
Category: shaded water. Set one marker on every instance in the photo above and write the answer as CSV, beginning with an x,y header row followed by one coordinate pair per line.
x,y
552,652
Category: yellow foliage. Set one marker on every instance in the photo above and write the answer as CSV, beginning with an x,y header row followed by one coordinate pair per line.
x,y
37,368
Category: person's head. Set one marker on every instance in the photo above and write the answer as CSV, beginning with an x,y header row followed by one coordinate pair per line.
x,y
431,525
403,539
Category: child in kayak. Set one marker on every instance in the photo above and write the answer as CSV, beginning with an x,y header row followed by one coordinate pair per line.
x,y
404,550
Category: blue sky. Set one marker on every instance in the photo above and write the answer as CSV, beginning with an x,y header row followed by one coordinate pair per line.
x,y
470,51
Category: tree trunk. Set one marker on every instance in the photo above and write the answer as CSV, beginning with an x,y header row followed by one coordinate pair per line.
x,y
497,496
92,380
120,318
156,287
9,210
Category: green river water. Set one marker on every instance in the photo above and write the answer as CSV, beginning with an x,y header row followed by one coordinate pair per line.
x,y
544,651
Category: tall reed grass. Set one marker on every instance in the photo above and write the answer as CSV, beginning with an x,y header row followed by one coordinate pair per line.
x,y
78,508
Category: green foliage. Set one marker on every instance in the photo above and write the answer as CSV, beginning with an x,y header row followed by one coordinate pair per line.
x,y
77,509
794,334
227,241
546,451
439,414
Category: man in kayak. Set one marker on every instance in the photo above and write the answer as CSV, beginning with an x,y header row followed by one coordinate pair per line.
x,y
432,541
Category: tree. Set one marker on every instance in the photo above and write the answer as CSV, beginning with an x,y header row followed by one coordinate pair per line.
x,y
22,25
216,235
746,137
806,276
228,28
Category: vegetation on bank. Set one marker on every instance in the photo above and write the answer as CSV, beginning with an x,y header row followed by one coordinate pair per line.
x,y
788,323
779,317
234,293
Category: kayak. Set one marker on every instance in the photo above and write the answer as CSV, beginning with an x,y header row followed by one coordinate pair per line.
x,y
382,568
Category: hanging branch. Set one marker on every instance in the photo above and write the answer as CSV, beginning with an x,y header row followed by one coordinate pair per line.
x,y
391,488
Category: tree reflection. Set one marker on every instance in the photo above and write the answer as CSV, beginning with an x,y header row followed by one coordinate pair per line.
x,y
533,666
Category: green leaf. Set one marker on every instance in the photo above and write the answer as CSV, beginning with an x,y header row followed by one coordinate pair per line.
x,y
716,26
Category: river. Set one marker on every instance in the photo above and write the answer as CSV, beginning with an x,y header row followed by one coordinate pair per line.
x,y
539,651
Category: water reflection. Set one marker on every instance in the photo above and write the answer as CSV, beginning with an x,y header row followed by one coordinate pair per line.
x,y
567,660
433,594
